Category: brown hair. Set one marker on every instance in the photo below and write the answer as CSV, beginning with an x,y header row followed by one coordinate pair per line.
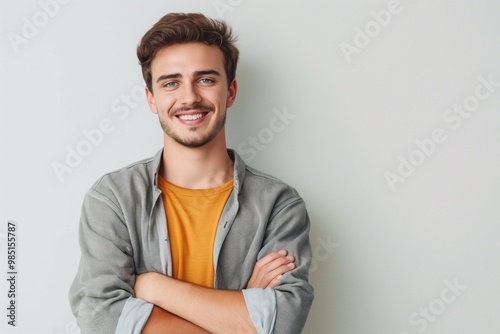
x,y
177,28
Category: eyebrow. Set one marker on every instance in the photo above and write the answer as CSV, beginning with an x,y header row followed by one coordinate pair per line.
x,y
206,72
168,76
196,74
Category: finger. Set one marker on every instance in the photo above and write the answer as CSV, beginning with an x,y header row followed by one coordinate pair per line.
x,y
272,279
273,269
265,265
274,283
282,270
266,261
271,257
276,263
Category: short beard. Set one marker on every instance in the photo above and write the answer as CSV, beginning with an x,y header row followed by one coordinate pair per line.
x,y
194,142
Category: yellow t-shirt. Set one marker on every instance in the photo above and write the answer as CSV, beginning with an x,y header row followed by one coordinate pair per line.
x,y
192,219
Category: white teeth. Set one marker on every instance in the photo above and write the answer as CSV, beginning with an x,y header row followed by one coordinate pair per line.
x,y
190,117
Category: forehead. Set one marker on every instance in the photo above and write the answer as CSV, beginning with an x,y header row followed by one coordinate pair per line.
x,y
187,58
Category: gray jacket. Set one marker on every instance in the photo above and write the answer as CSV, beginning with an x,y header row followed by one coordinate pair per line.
x,y
123,232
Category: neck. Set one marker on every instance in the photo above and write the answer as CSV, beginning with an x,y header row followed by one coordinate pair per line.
x,y
204,167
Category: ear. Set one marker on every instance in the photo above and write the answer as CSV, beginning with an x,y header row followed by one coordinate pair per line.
x,y
151,101
231,96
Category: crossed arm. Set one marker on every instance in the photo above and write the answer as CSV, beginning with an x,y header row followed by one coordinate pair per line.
x,y
189,308
104,293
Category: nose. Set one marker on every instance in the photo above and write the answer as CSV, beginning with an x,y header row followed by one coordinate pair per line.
x,y
189,94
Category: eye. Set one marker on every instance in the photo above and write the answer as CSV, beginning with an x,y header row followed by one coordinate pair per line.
x,y
206,81
170,84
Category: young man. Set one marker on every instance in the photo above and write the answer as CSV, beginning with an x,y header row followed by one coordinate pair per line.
x,y
192,240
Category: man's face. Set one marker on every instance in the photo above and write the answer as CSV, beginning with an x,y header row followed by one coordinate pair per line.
x,y
190,92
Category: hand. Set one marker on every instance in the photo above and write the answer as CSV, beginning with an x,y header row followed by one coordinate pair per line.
x,y
269,270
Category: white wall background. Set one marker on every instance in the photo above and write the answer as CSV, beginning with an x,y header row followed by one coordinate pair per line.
x,y
384,256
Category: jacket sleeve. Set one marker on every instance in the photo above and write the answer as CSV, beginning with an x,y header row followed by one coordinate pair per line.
x,y
288,229
103,287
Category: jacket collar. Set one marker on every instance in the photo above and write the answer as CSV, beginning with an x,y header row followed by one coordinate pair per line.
x,y
238,165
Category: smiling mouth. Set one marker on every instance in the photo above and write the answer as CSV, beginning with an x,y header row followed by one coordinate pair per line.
x,y
192,117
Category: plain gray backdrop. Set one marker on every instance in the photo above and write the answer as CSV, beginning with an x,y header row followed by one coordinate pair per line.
x,y
384,115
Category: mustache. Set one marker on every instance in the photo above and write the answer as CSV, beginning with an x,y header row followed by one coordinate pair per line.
x,y
196,106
